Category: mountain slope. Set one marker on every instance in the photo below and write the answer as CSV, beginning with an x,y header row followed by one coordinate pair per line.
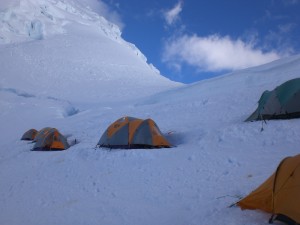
x,y
72,48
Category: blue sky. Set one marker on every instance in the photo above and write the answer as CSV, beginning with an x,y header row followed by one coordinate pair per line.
x,y
190,40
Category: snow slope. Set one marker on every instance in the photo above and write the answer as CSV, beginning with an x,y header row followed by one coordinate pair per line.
x,y
217,157
76,51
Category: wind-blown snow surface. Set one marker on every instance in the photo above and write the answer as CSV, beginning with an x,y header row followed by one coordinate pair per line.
x,y
80,81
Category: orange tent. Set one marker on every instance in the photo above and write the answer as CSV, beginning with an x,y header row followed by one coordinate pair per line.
x,y
41,133
130,132
50,139
279,194
29,135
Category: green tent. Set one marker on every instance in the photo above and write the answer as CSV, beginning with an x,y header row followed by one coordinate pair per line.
x,y
281,103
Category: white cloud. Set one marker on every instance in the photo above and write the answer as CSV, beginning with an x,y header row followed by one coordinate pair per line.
x,y
172,15
215,53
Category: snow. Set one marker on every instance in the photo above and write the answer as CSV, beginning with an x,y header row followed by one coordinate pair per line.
x,y
83,79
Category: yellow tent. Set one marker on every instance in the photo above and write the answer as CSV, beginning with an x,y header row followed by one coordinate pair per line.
x,y
279,194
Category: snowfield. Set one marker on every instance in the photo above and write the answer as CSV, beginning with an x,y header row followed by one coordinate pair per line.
x,y
82,76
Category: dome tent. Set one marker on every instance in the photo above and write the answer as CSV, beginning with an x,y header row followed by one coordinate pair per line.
x,y
41,133
29,135
281,103
130,132
279,194
50,139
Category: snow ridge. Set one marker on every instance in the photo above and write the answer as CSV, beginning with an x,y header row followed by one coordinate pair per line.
x,y
35,20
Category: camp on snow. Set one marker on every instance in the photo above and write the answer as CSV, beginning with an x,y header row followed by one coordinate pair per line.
x,y
132,133
50,139
29,135
281,103
279,194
